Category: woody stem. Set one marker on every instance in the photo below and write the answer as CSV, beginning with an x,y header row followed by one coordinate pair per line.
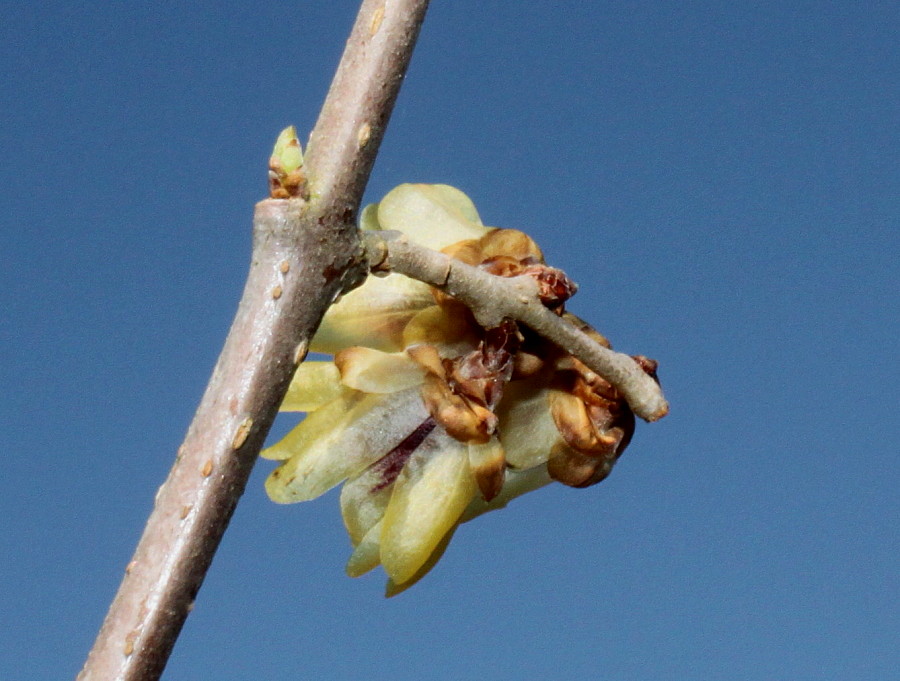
x,y
304,254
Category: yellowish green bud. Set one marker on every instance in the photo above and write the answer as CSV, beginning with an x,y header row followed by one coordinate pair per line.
x,y
286,177
287,154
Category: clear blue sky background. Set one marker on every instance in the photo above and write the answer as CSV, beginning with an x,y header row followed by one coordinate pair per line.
x,y
723,181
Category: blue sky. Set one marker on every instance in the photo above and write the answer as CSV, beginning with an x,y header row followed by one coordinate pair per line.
x,y
721,179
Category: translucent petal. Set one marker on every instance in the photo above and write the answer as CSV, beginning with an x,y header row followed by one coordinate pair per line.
x,y
431,492
373,371
368,218
392,588
446,329
331,452
372,315
487,462
316,425
367,554
428,358
527,430
433,215
364,499
516,484
314,385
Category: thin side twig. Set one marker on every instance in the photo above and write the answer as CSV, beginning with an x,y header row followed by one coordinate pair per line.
x,y
492,298
304,254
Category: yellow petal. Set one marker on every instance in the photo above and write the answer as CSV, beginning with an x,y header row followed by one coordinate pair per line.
x,y
368,217
448,330
364,499
527,430
366,555
392,588
373,371
316,425
428,358
488,464
324,454
372,315
432,215
314,385
431,492
375,314
515,485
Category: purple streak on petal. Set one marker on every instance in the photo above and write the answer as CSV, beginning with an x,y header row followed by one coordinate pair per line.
x,y
390,465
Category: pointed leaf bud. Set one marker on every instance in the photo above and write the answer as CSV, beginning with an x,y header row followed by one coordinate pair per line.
x,y
286,177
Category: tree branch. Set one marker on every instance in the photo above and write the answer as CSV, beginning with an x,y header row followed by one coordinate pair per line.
x,y
304,254
492,298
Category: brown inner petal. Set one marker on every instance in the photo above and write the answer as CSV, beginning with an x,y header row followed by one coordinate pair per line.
x,y
594,421
577,470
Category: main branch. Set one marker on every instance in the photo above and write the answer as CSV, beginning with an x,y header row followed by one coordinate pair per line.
x,y
304,255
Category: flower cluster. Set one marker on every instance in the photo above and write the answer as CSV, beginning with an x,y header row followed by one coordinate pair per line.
x,y
428,418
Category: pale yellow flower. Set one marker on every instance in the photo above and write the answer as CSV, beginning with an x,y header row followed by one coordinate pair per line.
x,y
427,418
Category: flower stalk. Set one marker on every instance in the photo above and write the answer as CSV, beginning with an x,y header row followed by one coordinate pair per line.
x,y
493,299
